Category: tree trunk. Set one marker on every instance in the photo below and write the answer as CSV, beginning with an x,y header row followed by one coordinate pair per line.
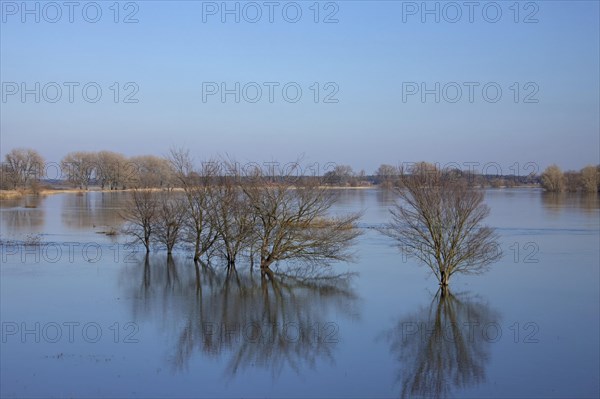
x,y
444,278
265,263
197,251
444,291
230,262
266,272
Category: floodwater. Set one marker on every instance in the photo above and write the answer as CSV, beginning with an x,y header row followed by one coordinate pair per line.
x,y
86,315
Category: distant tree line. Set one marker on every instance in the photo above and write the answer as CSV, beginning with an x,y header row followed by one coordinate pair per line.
x,y
24,168
113,171
552,179
587,180
390,176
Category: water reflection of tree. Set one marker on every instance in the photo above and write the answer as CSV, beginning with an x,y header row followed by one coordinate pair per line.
x,y
92,209
589,201
23,214
273,321
443,347
558,202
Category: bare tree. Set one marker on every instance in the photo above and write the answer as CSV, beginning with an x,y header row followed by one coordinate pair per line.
x,y
231,218
22,167
80,168
110,169
291,221
168,220
439,220
387,175
553,179
341,175
198,189
572,181
140,215
6,177
151,171
590,179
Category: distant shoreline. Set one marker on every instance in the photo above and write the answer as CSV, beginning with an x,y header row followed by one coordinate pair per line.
x,y
15,194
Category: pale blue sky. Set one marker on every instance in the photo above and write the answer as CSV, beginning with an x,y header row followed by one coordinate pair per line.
x,y
368,54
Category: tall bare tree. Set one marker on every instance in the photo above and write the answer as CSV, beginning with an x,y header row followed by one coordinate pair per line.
x,y
22,167
231,217
80,168
111,169
151,171
6,177
199,194
140,216
553,179
168,220
292,221
439,221
387,175
341,175
590,179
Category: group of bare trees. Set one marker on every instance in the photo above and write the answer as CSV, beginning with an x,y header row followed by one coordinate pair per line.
x,y
262,216
22,168
345,176
268,218
111,170
587,180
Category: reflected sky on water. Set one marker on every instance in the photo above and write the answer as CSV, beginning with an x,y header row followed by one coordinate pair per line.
x,y
112,323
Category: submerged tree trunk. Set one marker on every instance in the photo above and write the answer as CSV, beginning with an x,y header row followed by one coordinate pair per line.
x,y
444,291
197,251
444,277
147,244
266,272
265,263
230,261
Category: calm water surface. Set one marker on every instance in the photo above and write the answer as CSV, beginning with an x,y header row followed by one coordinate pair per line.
x,y
85,315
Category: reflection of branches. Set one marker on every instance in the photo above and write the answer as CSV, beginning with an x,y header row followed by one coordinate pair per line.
x,y
91,209
442,347
561,202
22,219
272,321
